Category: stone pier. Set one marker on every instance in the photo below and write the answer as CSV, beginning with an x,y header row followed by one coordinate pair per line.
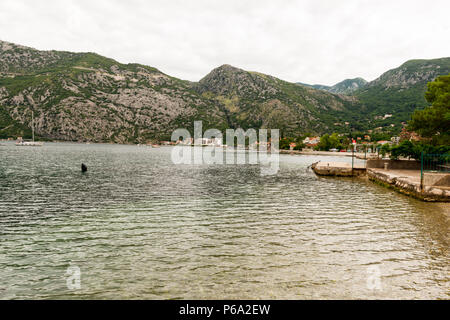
x,y
400,175
338,169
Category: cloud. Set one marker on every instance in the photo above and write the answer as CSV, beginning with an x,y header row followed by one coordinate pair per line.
x,y
308,41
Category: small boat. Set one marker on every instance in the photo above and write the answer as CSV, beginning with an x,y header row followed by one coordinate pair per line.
x,y
21,143
155,146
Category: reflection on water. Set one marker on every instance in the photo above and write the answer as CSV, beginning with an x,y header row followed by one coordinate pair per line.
x,y
139,227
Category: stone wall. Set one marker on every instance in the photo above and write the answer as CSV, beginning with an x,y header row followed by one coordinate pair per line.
x,y
394,164
406,186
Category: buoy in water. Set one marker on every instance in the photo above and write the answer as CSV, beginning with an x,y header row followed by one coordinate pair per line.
x,y
83,167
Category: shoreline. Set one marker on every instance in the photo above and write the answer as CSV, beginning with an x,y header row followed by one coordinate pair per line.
x,y
358,155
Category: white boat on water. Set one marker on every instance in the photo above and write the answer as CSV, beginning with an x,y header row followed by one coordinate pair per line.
x,y
21,143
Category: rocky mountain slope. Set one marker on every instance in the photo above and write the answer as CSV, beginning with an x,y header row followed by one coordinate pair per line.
x,y
255,100
87,97
347,86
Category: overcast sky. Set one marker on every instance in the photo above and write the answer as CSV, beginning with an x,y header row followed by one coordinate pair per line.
x,y
320,41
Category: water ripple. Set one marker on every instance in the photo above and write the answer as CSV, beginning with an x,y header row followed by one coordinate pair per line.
x,y
139,227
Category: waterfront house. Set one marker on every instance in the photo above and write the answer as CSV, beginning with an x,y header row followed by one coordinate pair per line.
x,y
292,146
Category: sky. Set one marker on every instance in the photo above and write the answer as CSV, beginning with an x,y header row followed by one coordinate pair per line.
x,y
310,41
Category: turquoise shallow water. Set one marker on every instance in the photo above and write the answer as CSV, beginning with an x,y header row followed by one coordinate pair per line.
x,y
138,226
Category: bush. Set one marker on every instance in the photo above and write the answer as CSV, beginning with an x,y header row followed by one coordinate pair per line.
x,y
328,142
285,143
299,146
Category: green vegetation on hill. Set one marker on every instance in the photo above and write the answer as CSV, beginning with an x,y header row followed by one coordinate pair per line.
x,y
399,92
11,128
431,123
379,101
254,100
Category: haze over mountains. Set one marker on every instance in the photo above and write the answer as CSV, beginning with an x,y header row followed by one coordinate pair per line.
x,y
87,97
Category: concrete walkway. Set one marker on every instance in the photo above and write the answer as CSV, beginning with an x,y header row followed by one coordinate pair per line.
x,y
412,176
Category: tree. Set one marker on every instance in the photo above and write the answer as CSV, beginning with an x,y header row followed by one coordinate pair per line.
x,y
328,142
405,149
324,143
285,143
434,121
414,150
385,148
299,146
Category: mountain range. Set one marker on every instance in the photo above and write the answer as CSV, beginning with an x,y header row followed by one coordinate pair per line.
x,y
88,97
